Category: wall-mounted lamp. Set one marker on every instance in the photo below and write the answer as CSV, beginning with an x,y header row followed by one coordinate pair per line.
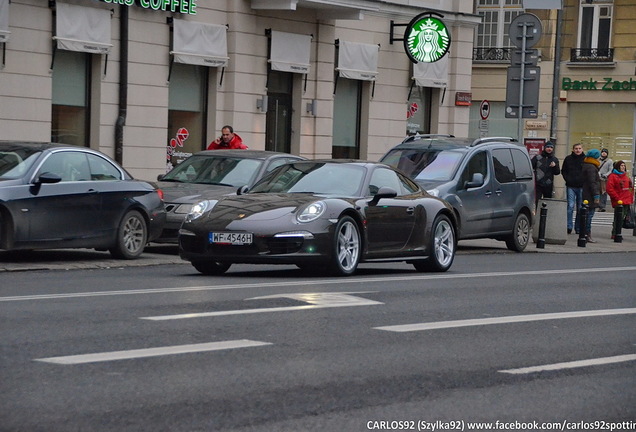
x,y
312,107
261,104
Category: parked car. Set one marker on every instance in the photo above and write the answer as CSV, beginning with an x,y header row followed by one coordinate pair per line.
x,y
211,174
488,181
63,196
329,215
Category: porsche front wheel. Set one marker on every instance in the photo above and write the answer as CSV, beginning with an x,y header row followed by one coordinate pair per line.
x,y
346,244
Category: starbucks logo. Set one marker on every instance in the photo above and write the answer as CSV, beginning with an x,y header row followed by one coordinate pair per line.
x,y
426,39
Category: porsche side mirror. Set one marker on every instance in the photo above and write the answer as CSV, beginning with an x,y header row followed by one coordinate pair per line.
x,y
383,192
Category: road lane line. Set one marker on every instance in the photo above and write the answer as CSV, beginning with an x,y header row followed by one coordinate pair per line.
x,y
152,352
571,365
340,281
504,320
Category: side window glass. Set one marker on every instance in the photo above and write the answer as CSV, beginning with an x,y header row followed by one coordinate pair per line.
x,y
101,169
383,177
478,164
70,166
408,186
523,168
276,163
504,167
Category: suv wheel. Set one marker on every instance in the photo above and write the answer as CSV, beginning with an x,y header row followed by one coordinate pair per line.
x,y
520,236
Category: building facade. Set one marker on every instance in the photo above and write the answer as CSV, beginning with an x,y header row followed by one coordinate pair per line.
x,y
150,82
587,95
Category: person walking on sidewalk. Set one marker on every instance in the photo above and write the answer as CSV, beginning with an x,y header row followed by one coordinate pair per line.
x,y
604,171
591,188
621,188
545,166
572,173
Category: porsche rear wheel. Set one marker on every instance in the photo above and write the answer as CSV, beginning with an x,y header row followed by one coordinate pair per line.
x,y
443,247
346,244
211,268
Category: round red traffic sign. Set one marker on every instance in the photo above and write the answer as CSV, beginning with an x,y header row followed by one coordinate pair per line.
x,y
484,109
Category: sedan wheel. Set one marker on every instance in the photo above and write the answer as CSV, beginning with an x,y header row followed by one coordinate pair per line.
x,y
443,247
132,236
346,247
520,236
211,268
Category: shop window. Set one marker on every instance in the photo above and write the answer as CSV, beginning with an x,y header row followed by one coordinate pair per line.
x,y
70,113
491,40
346,119
186,112
418,113
595,26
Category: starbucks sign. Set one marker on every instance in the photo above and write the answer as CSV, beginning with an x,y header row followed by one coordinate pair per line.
x,y
426,39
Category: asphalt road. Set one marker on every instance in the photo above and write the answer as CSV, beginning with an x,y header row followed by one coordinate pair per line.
x,y
162,348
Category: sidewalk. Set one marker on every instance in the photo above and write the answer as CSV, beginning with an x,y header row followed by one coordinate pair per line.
x,y
70,259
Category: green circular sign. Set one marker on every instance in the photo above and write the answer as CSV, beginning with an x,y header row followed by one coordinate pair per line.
x,y
426,39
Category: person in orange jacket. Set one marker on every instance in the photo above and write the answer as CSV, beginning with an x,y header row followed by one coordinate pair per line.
x,y
621,188
227,140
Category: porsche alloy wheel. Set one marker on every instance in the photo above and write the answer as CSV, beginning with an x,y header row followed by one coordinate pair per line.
x,y
346,247
443,247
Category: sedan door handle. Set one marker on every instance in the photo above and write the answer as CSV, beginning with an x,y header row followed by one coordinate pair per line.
x,y
410,210
488,193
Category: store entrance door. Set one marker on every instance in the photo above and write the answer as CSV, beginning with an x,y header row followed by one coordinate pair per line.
x,y
279,112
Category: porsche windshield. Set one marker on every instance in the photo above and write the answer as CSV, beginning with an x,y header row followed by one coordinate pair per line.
x,y
314,177
420,165
231,171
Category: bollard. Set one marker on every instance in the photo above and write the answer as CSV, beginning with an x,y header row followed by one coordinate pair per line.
x,y
582,225
542,222
618,222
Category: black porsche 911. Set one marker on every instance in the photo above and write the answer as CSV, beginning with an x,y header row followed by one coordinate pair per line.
x,y
329,215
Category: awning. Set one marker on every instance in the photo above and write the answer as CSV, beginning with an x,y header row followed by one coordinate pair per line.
x,y
198,43
431,74
358,61
84,29
4,21
290,52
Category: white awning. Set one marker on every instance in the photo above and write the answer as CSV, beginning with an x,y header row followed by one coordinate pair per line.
x,y
198,43
431,74
4,21
84,29
358,61
290,52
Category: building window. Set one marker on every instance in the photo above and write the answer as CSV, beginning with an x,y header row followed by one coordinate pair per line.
x,y
70,113
346,119
186,112
418,113
595,26
492,42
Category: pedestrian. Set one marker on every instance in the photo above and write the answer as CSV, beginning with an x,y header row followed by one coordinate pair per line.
x,y
591,188
621,188
227,140
604,171
572,173
545,166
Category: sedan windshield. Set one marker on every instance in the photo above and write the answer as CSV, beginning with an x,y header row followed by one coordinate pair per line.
x,y
320,178
16,161
228,171
421,165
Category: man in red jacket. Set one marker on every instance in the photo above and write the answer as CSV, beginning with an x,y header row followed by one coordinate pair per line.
x,y
228,140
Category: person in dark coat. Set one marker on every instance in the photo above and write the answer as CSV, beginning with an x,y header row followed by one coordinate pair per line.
x,y
572,173
545,166
591,188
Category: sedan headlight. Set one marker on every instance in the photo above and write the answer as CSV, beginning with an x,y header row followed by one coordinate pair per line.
x,y
200,208
312,212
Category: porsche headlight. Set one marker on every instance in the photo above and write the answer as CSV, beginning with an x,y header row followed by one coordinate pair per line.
x,y
200,208
312,212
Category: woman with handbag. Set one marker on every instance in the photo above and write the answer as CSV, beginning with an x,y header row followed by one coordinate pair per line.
x,y
621,188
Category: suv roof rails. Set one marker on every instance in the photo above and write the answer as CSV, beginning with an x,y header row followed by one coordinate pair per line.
x,y
423,136
491,139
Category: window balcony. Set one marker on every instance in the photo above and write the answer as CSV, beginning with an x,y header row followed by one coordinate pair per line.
x,y
491,55
592,55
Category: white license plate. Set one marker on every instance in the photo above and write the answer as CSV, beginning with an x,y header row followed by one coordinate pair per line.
x,y
231,238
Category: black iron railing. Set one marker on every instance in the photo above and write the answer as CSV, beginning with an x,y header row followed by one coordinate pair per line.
x,y
582,55
491,54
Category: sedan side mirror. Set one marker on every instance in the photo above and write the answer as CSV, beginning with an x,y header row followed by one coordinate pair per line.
x,y
383,192
242,190
477,181
48,177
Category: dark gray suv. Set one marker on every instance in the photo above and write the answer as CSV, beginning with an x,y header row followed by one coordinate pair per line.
x,y
488,181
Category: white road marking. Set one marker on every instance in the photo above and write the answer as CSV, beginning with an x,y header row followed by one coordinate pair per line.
x,y
316,300
152,352
572,364
505,320
313,282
